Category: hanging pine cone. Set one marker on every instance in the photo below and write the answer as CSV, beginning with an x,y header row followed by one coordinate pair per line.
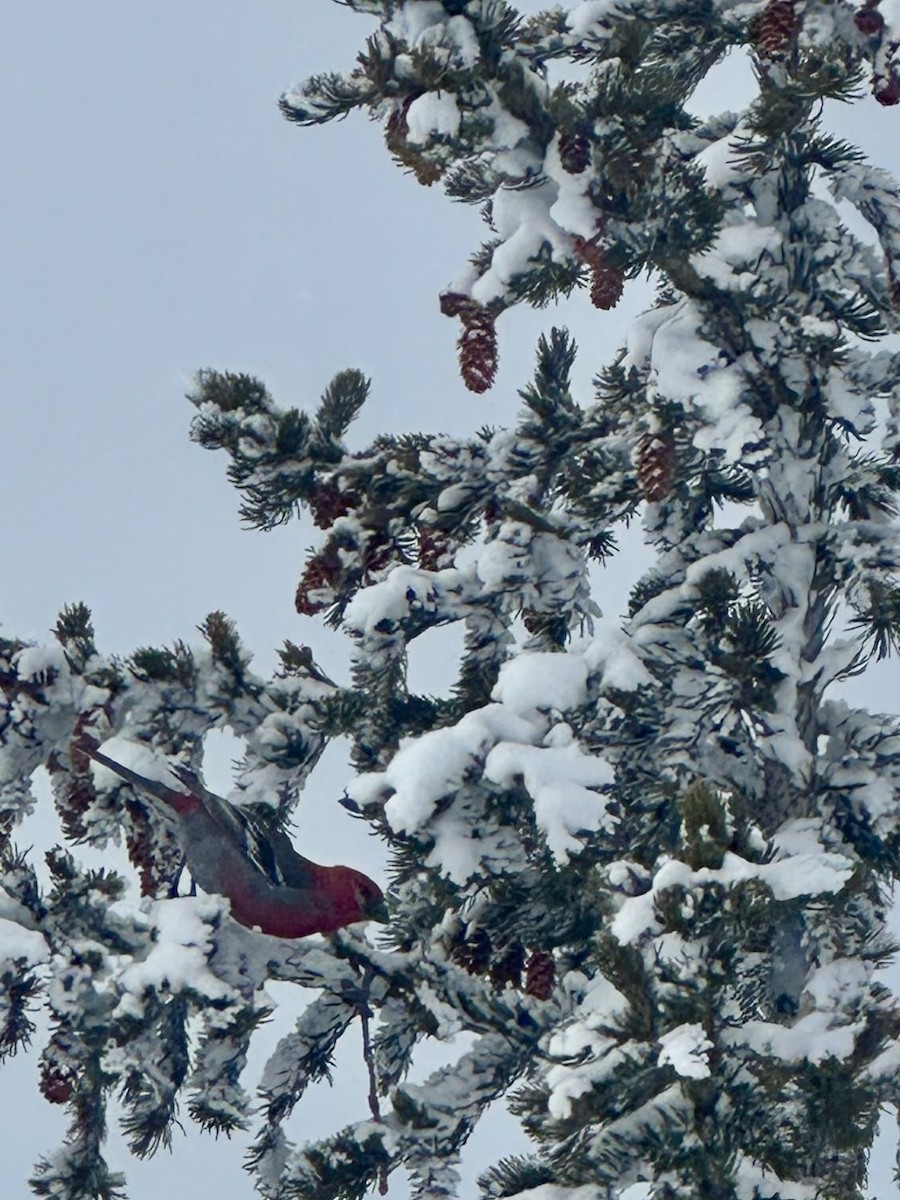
x,y
869,20
330,501
507,966
317,587
606,286
540,975
772,31
607,281
56,1083
656,465
74,796
473,951
477,347
153,851
57,1074
887,91
574,150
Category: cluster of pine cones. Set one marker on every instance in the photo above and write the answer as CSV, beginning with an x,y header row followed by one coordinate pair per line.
x,y
509,965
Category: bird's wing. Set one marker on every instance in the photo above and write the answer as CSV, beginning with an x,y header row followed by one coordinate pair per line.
x,y
263,841
293,870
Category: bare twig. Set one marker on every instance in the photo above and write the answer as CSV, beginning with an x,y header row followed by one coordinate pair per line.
x,y
365,1014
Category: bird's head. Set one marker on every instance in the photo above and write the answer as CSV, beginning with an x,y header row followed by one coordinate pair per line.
x,y
357,897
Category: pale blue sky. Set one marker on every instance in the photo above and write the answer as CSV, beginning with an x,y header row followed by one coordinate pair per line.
x,y
158,216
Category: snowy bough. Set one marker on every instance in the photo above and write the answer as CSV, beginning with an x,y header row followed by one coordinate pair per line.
x,y
644,864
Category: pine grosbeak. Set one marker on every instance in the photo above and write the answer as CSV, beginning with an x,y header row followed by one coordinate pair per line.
x,y
269,884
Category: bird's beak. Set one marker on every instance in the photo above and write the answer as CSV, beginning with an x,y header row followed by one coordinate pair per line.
x,y
379,912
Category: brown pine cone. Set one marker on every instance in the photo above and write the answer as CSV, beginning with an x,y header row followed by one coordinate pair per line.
x,y
329,502
772,31
656,464
887,91
540,975
74,796
869,20
477,347
607,282
316,589
57,1082
574,150
606,287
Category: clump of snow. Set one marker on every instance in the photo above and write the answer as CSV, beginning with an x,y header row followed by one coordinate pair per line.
x,y
732,258
814,1038
411,21
48,667
886,1065
802,835
687,368
20,943
461,33
787,878
498,744
732,426
177,958
12,909
534,680
602,1004
555,1191
827,986
505,560
637,915
447,1019
610,654
559,782
629,877
637,1191
466,844
720,160
757,1181
36,662
427,768
686,1049
523,222
435,114
805,875
573,208
386,603
590,18
567,1083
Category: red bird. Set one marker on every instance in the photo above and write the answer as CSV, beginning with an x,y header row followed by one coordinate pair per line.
x,y
271,887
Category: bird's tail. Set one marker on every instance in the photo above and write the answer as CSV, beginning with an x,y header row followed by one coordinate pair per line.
x,y
180,801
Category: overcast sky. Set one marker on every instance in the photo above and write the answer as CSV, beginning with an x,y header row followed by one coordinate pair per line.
x,y
159,216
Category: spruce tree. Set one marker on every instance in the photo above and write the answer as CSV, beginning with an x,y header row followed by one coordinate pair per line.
x,y
645,864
